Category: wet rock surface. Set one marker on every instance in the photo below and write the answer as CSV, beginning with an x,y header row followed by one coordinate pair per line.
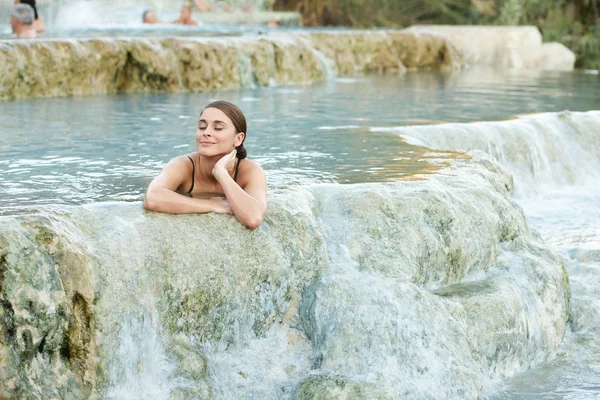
x,y
363,290
49,68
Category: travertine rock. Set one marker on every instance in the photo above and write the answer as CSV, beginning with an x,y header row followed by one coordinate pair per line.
x,y
504,46
334,294
548,56
48,68
360,52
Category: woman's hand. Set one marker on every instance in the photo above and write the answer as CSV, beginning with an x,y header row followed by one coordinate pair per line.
x,y
221,205
224,165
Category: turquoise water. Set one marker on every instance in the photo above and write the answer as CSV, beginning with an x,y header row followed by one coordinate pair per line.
x,y
93,149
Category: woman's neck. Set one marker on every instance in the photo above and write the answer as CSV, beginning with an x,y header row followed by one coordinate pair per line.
x,y
205,167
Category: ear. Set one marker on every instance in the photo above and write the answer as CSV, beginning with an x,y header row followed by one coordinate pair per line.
x,y
239,138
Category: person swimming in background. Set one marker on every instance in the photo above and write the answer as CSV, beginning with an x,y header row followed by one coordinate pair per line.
x,y
217,177
21,21
185,16
38,22
149,17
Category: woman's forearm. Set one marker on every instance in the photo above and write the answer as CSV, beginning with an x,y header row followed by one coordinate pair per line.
x,y
167,201
247,209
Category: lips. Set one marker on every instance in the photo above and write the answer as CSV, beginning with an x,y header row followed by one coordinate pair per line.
x,y
204,143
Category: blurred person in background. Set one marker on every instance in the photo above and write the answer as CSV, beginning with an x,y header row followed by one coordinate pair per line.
x,y
149,17
185,17
21,21
38,22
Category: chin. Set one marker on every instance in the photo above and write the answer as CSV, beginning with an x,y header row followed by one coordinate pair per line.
x,y
209,152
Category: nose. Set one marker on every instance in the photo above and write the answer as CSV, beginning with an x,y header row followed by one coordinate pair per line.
x,y
205,132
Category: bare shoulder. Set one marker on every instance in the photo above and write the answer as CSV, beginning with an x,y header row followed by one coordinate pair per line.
x,y
181,161
249,168
181,165
174,174
250,173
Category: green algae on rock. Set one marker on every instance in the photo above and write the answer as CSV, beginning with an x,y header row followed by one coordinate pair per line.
x,y
47,334
50,68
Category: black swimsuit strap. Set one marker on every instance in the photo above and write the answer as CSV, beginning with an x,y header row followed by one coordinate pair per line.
x,y
193,176
235,174
237,166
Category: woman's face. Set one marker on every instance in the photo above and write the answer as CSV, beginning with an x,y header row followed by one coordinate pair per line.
x,y
216,134
186,13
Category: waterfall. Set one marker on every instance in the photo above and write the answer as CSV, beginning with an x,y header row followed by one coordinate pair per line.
x,y
335,293
544,152
555,161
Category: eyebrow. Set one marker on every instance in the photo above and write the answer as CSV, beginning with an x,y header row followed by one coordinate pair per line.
x,y
215,121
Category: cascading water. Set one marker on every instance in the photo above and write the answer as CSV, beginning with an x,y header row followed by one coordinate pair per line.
x,y
346,277
544,152
555,161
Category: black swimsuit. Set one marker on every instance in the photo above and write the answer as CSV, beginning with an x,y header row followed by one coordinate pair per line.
x,y
235,174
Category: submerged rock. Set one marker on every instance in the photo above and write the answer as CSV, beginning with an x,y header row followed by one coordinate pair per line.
x,y
353,291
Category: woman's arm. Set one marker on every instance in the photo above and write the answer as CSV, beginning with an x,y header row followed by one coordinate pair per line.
x,y
161,195
249,204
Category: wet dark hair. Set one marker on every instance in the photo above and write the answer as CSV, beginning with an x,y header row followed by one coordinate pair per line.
x,y
32,4
237,117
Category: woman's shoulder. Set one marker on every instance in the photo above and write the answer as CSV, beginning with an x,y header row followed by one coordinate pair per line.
x,y
181,163
184,158
250,171
247,165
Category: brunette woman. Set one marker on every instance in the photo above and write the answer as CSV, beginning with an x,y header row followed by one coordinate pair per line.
x,y
217,177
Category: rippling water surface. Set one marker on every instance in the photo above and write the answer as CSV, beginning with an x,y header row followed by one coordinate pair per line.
x,y
78,150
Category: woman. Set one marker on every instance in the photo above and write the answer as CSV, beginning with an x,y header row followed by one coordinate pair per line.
x,y
218,177
38,22
185,16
